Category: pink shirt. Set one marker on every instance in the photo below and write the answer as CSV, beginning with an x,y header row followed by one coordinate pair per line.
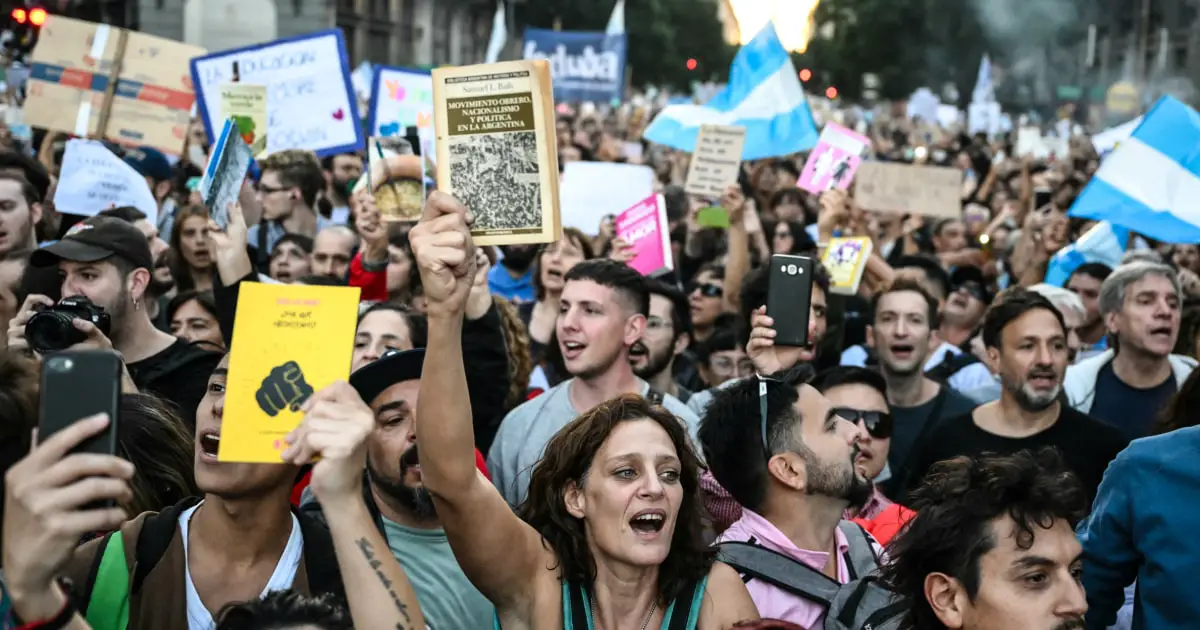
x,y
772,601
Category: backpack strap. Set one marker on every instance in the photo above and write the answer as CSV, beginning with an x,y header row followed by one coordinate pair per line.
x,y
777,569
861,555
154,539
108,602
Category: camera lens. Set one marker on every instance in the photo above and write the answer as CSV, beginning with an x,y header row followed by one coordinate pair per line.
x,y
52,330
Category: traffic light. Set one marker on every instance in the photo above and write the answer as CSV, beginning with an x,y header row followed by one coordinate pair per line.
x,y
25,25
805,75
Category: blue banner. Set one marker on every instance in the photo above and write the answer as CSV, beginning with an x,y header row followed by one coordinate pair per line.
x,y
585,66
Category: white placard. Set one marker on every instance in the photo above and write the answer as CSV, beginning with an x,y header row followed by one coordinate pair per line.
x,y
401,98
592,190
310,102
94,179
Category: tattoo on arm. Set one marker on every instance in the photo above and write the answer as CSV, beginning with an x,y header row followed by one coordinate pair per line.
x,y
368,552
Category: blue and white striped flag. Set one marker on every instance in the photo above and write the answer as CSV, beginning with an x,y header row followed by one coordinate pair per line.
x,y
1151,182
764,96
1103,243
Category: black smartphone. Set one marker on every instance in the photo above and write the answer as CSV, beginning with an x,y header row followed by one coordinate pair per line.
x,y
78,384
789,294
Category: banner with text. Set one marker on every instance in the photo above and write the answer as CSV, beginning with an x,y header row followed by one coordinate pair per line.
x,y
310,101
586,66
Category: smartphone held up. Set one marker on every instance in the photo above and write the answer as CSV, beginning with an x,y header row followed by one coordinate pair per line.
x,y
789,296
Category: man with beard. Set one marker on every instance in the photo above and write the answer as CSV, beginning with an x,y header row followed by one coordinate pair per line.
x,y
400,505
512,279
668,331
993,547
108,261
342,171
162,285
779,447
602,313
1026,346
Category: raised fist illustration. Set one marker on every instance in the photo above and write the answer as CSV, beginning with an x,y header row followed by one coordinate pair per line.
x,y
283,388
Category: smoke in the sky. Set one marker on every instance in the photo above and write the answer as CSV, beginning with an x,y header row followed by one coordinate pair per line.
x,y
1019,23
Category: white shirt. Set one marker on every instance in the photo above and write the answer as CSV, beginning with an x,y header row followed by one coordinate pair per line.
x,y
285,571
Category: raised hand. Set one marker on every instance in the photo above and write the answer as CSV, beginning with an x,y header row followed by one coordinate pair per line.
x,y
47,509
766,356
335,429
232,239
445,254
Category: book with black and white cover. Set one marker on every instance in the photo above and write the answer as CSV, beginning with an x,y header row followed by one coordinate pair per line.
x,y
497,150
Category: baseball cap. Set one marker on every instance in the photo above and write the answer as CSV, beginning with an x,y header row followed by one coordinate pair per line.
x,y
97,238
395,366
149,162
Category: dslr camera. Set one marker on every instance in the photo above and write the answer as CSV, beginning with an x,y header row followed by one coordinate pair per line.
x,y
51,329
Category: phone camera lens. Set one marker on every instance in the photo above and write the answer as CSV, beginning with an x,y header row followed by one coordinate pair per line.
x,y
60,365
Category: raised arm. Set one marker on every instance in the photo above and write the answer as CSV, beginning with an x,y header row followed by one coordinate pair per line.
x,y
497,551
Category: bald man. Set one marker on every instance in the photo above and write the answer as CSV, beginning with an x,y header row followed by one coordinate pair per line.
x,y
332,250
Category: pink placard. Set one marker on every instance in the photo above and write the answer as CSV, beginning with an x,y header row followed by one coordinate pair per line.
x,y
644,227
834,160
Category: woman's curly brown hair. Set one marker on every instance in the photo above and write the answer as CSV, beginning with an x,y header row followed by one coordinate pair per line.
x,y
956,504
568,459
520,357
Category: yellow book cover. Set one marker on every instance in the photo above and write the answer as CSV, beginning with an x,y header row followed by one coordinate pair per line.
x,y
846,260
497,150
246,103
291,340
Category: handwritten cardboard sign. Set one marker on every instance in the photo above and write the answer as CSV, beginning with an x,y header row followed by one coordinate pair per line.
x,y
293,340
310,101
933,191
400,97
716,160
94,179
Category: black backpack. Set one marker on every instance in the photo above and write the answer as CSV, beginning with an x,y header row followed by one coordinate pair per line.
x,y
863,603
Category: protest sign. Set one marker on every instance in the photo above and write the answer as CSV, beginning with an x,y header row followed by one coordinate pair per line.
x,y
833,162
716,160
286,335
310,102
225,172
94,80
590,191
400,98
933,191
94,179
586,66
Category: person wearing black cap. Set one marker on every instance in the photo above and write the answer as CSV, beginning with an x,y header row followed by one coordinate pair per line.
x,y
108,261
402,508
961,316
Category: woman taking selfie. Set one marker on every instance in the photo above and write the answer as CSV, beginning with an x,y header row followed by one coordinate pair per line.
x,y
611,536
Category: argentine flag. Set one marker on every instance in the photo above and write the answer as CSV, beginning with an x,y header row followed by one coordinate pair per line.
x,y
1103,243
1151,182
763,95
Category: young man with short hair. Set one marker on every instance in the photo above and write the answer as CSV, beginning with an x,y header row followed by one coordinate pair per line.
x,y
992,546
287,191
602,314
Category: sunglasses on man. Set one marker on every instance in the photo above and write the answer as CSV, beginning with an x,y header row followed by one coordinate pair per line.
x,y
709,290
878,423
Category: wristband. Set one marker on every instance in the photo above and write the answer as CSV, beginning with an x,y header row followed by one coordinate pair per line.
x,y
57,622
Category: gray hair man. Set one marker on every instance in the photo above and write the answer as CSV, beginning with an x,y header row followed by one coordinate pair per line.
x,y
1073,311
1128,384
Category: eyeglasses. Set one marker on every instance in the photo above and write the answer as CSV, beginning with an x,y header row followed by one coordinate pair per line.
x,y
709,290
726,365
974,289
878,423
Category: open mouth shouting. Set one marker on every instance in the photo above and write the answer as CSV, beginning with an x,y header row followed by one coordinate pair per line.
x,y
210,442
1161,334
572,350
903,352
1043,379
648,523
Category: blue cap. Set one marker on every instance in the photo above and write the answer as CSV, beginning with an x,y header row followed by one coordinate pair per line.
x,y
149,162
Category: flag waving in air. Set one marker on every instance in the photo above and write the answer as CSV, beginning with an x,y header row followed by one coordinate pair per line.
x,y
1151,182
764,96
